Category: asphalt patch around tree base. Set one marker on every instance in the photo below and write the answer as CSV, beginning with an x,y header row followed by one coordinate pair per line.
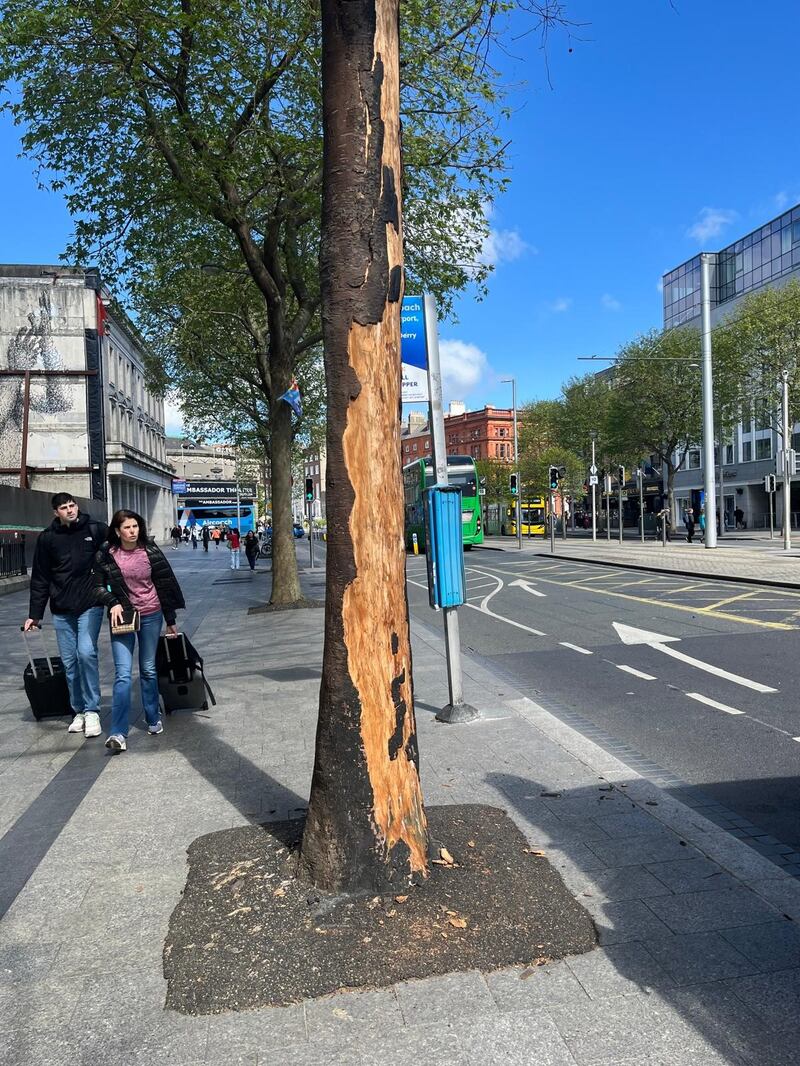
x,y
247,933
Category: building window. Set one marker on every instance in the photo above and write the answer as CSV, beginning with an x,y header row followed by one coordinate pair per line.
x,y
728,455
764,448
693,460
427,445
747,451
414,447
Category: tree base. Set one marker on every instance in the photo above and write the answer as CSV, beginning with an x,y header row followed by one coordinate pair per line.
x,y
456,713
247,933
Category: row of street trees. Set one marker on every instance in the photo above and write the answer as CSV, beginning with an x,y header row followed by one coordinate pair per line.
x,y
648,405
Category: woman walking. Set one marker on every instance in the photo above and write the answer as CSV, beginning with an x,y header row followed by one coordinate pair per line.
x,y
251,549
133,575
233,544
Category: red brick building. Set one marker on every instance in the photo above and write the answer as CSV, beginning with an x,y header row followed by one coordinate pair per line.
x,y
484,434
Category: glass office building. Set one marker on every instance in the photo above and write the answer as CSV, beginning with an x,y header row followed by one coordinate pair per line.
x,y
762,257
767,256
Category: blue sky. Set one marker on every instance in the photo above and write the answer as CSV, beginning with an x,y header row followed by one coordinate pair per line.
x,y
670,127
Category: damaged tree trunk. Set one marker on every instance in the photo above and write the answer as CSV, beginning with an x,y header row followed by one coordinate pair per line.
x,y
366,826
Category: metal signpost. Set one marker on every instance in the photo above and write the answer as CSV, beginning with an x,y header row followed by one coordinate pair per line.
x,y
593,483
769,488
552,519
620,481
456,710
607,491
788,462
640,479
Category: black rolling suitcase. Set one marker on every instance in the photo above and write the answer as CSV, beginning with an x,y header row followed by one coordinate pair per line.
x,y
181,681
45,682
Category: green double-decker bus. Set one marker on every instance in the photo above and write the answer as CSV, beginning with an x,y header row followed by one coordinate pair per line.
x,y
461,472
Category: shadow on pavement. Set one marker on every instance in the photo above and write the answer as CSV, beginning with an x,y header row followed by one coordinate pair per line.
x,y
683,942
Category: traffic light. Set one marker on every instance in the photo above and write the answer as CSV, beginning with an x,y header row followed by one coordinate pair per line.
x,y
770,482
309,490
553,477
513,484
621,474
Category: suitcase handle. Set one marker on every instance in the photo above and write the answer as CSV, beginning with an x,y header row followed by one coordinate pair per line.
x,y
25,635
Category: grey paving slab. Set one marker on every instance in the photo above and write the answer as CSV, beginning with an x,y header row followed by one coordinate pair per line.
x,y
376,1010
773,946
773,997
442,998
629,882
255,1033
691,875
624,920
41,1005
697,912
697,958
23,963
526,988
515,1040
618,970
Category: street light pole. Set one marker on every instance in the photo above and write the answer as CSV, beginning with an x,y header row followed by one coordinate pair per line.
x,y
516,457
787,472
592,476
710,538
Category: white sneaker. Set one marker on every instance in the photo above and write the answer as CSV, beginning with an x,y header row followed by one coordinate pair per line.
x,y
116,743
154,730
77,723
92,728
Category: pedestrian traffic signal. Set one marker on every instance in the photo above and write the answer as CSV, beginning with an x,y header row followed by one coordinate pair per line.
x,y
553,477
513,484
309,490
621,474
770,482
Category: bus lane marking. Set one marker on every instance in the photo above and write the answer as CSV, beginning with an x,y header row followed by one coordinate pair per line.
x,y
730,599
575,647
712,703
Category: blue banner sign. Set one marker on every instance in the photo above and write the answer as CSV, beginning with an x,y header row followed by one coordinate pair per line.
x,y
413,350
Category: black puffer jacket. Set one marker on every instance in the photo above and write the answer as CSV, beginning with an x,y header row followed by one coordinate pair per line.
x,y
62,567
110,587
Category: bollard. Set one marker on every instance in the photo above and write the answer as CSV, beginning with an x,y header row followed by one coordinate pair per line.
x,y
415,543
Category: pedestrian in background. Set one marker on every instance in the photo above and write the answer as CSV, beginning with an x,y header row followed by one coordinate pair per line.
x,y
193,536
176,537
664,523
206,538
251,549
701,521
63,573
233,544
215,536
738,514
133,574
688,521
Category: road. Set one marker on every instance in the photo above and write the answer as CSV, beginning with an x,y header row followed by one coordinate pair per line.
x,y
697,676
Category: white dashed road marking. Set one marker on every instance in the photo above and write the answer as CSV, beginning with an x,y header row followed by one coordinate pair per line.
x,y
713,703
574,647
636,673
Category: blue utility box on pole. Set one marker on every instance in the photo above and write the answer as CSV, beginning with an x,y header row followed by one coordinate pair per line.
x,y
444,546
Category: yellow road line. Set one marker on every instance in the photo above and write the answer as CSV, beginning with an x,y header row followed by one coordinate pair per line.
x,y
661,603
730,599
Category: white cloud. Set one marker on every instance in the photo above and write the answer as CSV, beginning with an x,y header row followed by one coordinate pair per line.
x,y
559,306
463,366
610,303
781,199
711,221
503,246
173,419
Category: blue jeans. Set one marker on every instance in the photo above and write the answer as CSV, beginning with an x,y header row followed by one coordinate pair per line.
x,y
77,644
122,650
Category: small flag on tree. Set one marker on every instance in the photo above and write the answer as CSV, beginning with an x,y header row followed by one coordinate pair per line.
x,y
292,397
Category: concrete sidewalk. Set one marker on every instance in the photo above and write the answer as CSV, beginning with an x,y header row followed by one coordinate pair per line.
x,y
700,954
763,562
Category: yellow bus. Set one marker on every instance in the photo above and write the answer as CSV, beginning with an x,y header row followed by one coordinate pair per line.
x,y
532,514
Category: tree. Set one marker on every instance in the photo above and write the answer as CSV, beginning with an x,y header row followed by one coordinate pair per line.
x,y
583,411
758,343
366,825
655,404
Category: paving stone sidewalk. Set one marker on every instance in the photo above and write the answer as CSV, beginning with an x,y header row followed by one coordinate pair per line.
x,y
700,954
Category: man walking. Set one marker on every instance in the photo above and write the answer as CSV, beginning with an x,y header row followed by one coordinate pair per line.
x,y
176,537
206,538
62,573
688,521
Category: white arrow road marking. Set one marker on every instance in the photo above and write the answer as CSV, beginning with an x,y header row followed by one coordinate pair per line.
x,y
636,673
574,647
631,635
527,586
712,703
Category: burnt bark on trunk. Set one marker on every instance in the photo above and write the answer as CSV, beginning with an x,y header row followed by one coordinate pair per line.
x,y
366,826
